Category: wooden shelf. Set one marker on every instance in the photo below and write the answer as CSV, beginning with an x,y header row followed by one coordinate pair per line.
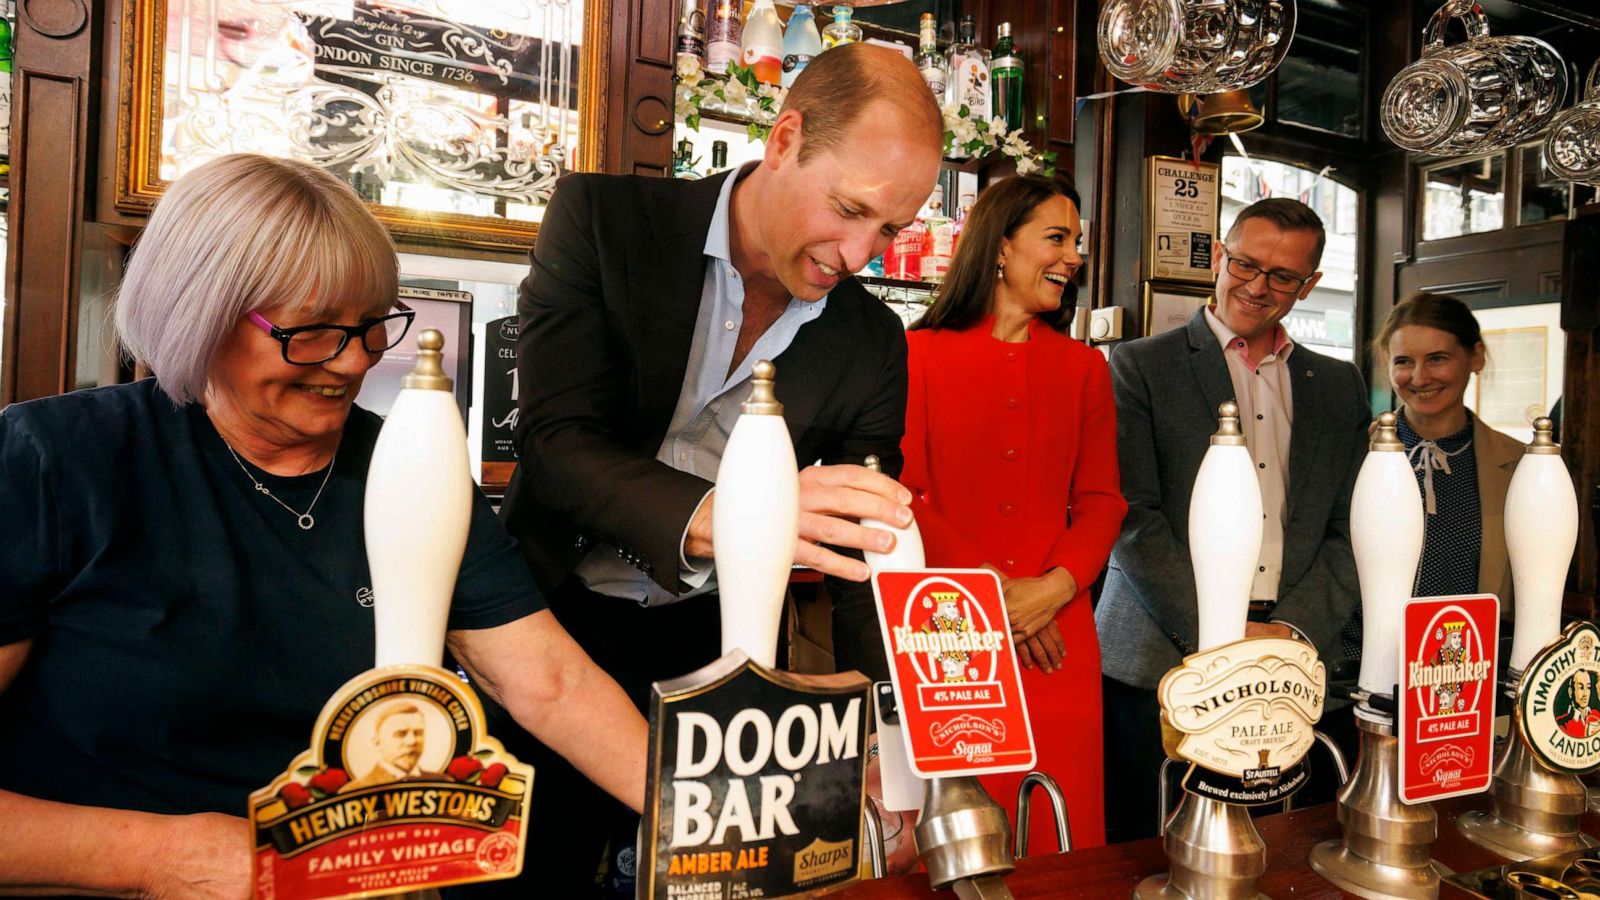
x,y
972,164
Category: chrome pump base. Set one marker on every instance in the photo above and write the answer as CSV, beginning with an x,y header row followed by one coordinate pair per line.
x,y
1215,854
1534,812
1385,849
964,839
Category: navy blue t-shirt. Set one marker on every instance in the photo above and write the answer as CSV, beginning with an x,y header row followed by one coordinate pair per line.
x,y
186,632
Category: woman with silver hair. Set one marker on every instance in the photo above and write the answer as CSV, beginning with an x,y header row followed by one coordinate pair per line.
x,y
184,581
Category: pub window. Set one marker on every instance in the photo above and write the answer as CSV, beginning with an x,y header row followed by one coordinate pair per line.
x,y
1325,319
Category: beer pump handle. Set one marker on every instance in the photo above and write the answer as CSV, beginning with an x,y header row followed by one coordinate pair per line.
x,y
1225,532
755,520
907,552
1541,524
417,510
1386,530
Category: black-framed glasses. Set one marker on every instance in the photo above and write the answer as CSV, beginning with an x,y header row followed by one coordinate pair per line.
x,y
313,345
1277,279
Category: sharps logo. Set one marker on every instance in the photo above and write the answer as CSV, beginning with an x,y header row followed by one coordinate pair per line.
x,y
821,859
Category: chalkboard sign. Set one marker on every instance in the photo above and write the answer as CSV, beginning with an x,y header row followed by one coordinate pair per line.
x,y
500,390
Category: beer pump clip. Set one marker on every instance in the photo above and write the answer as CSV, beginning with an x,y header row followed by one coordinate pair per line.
x,y
757,777
1212,845
1537,799
402,789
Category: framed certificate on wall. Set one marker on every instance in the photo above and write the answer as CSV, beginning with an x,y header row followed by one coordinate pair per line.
x,y
1181,214
1169,306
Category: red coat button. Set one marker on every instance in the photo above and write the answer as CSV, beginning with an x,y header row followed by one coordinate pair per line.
x,y
1007,509
1011,455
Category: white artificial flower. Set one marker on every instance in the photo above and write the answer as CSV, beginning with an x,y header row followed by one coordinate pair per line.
x,y
688,69
735,92
1026,165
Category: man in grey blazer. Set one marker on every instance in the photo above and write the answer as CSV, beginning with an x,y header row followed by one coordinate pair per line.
x,y
1305,418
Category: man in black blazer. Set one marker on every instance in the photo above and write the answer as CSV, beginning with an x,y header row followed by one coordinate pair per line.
x,y
1305,416
648,301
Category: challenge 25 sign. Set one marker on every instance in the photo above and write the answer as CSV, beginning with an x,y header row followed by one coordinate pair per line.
x,y
955,672
756,784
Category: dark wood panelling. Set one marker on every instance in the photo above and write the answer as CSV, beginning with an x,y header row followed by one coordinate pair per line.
x,y
639,99
1580,414
53,88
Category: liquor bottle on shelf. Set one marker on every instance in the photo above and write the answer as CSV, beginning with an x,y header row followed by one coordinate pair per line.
x,y
683,161
691,43
722,36
719,156
800,42
928,59
941,242
969,72
963,209
1005,71
903,259
842,31
762,44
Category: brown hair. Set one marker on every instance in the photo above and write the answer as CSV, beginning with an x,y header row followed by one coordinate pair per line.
x,y
1440,311
1288,215
969,285
836,87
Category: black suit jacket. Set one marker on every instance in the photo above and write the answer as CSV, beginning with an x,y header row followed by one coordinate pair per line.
x,y
608,314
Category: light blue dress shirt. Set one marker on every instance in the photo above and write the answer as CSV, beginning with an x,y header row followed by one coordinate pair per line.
x,y
708,404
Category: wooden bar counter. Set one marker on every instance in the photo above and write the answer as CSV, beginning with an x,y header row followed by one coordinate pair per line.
x,y
1110,873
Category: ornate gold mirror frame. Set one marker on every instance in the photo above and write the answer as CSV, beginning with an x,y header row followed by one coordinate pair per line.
x,y
449,128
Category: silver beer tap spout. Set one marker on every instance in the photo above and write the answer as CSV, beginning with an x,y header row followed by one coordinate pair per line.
x,y
1058,806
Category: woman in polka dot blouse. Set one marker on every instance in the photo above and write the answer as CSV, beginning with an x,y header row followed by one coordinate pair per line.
x,y
1432,345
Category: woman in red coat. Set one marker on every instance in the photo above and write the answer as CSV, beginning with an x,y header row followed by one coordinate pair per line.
x,y
1011,454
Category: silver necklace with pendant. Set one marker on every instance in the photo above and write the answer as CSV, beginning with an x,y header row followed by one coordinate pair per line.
x,y
303,519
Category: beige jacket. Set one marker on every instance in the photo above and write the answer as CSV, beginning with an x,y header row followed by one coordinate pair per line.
x,y
1497,454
